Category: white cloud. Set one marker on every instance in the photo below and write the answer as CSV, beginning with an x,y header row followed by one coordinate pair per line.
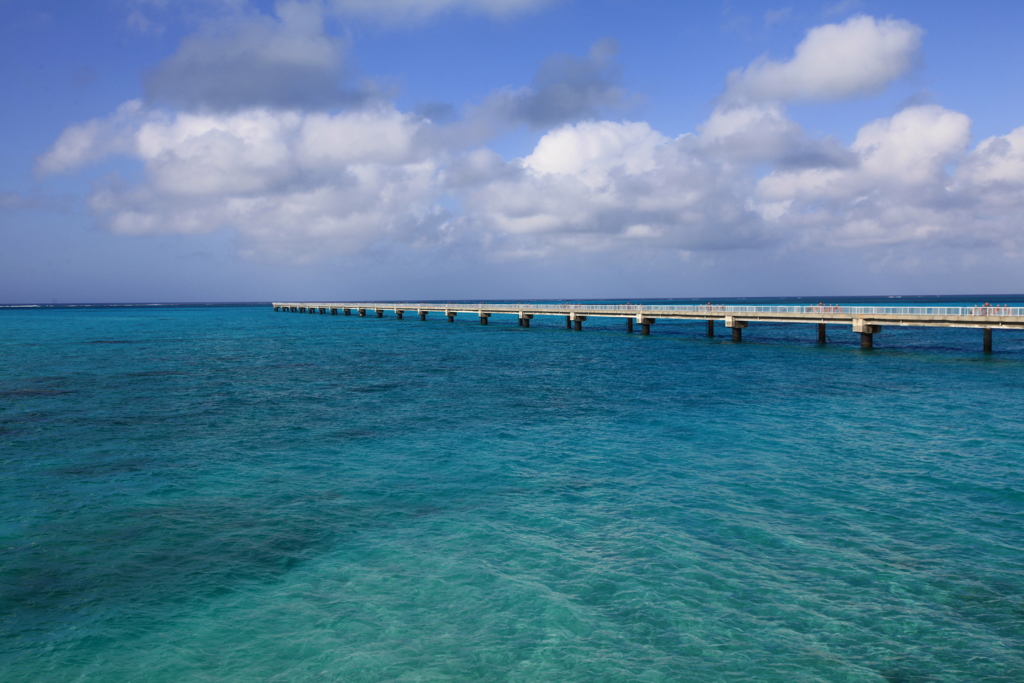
x,y
597,184
833,62
997,162
291,183
93,140
909,150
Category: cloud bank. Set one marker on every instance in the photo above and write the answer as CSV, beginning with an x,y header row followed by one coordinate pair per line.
x,y
298,181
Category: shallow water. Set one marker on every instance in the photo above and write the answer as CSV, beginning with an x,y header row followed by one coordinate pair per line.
x,y
233,494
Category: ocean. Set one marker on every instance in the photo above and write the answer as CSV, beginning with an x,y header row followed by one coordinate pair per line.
x,y
226,493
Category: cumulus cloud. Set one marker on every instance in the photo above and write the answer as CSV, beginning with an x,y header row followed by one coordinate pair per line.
x,y
284,61
93,140
898,190
292,183
833,62
761,133
565,88
600,183
414,10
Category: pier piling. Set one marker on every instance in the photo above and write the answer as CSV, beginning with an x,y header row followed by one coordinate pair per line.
x,y
736,326
867,332
987,340
821,333
711,329
629,324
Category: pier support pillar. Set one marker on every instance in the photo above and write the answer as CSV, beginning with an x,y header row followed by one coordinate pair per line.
x,y
323,311
711,328
645,325
362,312
737,327
311,310
568,322
821,333
334,311
629,324
399,313
484,317
423,315
987,340
520,322
524,320
579,324
867,332
451,316
380,312
347,311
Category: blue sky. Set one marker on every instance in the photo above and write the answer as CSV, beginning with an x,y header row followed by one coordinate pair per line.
x,y
212,150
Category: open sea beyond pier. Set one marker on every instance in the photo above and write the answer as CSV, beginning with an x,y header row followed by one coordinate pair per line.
x,y
218,493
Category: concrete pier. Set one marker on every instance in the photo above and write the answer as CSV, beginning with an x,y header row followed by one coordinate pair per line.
x,y
867,332
864,321
737,326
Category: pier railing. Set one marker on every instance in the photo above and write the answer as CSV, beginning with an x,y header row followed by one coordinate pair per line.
x,y
627,309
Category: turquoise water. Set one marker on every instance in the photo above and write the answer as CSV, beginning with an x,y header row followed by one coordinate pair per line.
x,y
233,494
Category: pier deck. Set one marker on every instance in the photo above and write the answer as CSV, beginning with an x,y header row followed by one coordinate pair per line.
x,y
863,320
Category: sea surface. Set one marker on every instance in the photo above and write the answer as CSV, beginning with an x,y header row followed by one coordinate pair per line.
x,y
226,493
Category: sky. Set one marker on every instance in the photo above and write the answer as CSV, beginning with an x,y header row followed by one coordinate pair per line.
x,y
242,150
